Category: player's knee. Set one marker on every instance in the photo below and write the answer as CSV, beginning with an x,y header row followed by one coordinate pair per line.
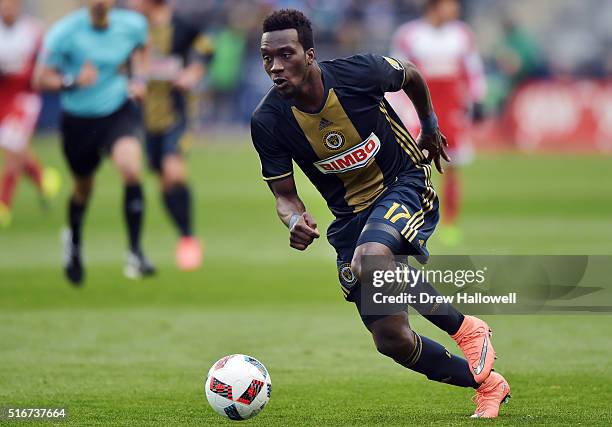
x,y
356,267
82,190
377,250
395,343
130,170
126,155
172,175
130,174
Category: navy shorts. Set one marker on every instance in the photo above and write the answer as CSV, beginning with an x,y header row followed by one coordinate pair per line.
x,y
402,218
160,145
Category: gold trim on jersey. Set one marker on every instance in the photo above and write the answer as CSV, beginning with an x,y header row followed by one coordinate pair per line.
x,y
411,148
362,186
204,45
398,66
272,178
159,114
404,139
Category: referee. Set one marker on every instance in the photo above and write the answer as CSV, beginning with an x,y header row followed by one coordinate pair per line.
x,y
86,57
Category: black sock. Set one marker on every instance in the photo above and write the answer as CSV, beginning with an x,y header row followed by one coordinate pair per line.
x,y
178,202
443,315
133,207
437,364
76,212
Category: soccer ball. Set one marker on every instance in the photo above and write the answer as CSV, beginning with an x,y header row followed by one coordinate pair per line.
x,y
238,386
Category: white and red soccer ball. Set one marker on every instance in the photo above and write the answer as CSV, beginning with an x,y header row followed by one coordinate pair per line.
x,y
238,386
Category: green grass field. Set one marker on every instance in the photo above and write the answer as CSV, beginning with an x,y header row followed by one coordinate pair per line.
x,y
119,352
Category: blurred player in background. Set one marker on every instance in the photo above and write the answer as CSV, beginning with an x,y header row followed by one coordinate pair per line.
x,y
331,118
179,54
86,57
20,38
443,48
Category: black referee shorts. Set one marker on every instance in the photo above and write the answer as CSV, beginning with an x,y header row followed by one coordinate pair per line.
x,y
86,140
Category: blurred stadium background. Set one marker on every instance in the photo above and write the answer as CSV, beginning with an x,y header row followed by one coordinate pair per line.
x,y
565,46
136,353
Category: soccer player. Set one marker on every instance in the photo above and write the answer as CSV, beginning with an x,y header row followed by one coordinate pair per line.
x,y
332,119
85,57
20,38
179,55
443,48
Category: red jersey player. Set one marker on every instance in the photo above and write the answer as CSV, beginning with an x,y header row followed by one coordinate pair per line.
x,y
443,48
20,37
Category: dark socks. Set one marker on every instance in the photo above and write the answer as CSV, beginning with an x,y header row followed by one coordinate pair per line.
x,y
178,203
133,207
75,220
437,364
443,315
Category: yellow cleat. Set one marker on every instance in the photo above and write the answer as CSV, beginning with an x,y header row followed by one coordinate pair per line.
x,y
5,215
51,183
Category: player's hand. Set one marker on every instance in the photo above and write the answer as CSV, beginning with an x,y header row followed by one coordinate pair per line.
x,y
186,81
433,146
137,89
303,232
88,75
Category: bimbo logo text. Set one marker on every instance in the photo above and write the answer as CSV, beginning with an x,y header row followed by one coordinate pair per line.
x,y
353,158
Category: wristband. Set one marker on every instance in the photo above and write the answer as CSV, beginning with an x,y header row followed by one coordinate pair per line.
x,y
430,124
140,79
293,220
68,82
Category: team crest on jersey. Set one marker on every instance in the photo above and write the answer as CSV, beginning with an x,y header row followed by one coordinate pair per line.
x,y
394,63
355,157
347,277
334,140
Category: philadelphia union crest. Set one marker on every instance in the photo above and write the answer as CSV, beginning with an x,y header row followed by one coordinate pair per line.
x,y
334,140
347,278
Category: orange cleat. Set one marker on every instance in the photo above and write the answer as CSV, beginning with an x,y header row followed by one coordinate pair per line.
x,y
188,254
474,340
490,395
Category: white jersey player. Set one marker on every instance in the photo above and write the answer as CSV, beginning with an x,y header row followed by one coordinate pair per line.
x,y
444,50
20,38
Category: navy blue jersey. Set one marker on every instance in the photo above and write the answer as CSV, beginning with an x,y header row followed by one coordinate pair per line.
x,y
354,147
173,46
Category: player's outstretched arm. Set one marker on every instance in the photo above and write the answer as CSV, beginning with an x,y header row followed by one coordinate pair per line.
x,y
302,226
417,90
431,141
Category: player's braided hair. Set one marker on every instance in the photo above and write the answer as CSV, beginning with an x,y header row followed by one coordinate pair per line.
x,y
285,19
